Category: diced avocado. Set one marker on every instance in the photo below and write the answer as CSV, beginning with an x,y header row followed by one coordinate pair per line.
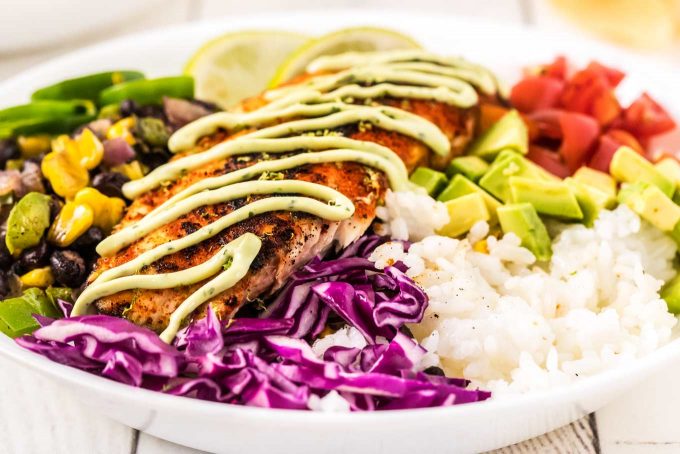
x,y
469,166
589,206
670,168
16,314
599,180
460,186
651,204
602,199
522,220
547,197
431,180
539,171
464,212
628,166
671,294
675,234
41,303
496,179
508,132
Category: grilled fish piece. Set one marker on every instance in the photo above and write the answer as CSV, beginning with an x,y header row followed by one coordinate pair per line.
x,y
289,240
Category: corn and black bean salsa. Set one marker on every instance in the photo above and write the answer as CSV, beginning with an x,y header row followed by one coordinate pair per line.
x,y
63,160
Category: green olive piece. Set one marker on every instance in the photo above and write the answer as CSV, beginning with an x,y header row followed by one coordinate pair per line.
x,y
27,221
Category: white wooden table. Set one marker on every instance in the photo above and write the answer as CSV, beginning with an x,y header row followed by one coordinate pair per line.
x,y
37,416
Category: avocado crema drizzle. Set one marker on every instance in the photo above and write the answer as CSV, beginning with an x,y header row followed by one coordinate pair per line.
x,y
286,124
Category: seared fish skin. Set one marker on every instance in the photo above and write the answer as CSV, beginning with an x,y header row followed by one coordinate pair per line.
x,y
289,240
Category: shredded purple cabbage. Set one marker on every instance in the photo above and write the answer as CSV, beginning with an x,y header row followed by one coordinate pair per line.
x,y
268,361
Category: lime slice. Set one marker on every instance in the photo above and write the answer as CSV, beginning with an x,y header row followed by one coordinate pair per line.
x,y
238,65
357,39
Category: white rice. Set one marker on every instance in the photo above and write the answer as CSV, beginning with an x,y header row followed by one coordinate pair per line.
x,y
510,325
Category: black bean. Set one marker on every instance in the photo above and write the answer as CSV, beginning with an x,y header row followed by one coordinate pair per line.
x,y
17,269
4,285
154,158
8,150
68,268
5,256
110,183
88,240
434,370
34,257
56,204
127,108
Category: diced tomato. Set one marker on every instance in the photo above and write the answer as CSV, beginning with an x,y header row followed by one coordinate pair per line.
x,y
607,146
590,92
547,123
549,160
579,133
536,92
490,113
606,108
626,138
557,69
644,118
614,76
667,143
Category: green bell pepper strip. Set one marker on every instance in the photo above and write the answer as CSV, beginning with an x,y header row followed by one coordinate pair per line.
x,y
149,91
63,125
47,109
85,87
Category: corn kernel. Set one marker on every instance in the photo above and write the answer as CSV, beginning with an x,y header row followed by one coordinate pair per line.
x,y
14,164
65,177
133,170
123,129
39,277
32,146
73,220
107,211
88,151
481,246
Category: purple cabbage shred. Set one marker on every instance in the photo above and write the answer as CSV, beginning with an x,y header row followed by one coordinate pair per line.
x,y
268,361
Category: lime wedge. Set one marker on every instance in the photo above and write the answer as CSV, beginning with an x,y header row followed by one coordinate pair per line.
x,y
357,39
238,65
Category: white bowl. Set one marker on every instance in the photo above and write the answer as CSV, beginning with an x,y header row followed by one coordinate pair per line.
x,y
466,428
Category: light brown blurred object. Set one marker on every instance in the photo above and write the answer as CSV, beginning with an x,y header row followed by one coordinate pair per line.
x,y
644,24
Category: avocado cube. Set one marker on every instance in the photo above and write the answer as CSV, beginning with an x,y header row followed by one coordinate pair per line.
x,y
671,294
589,206
651,204
670,168
431,180
470,166
41,303
460,186
464,212
496,179
16,314
509,132
599,180
628,166
548,197
522,220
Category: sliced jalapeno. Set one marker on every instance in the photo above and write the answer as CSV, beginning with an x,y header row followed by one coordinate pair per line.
x,y
63,125
46,109
149,91
85,87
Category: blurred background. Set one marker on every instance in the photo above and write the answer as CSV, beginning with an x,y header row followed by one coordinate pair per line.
x,y
32,31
